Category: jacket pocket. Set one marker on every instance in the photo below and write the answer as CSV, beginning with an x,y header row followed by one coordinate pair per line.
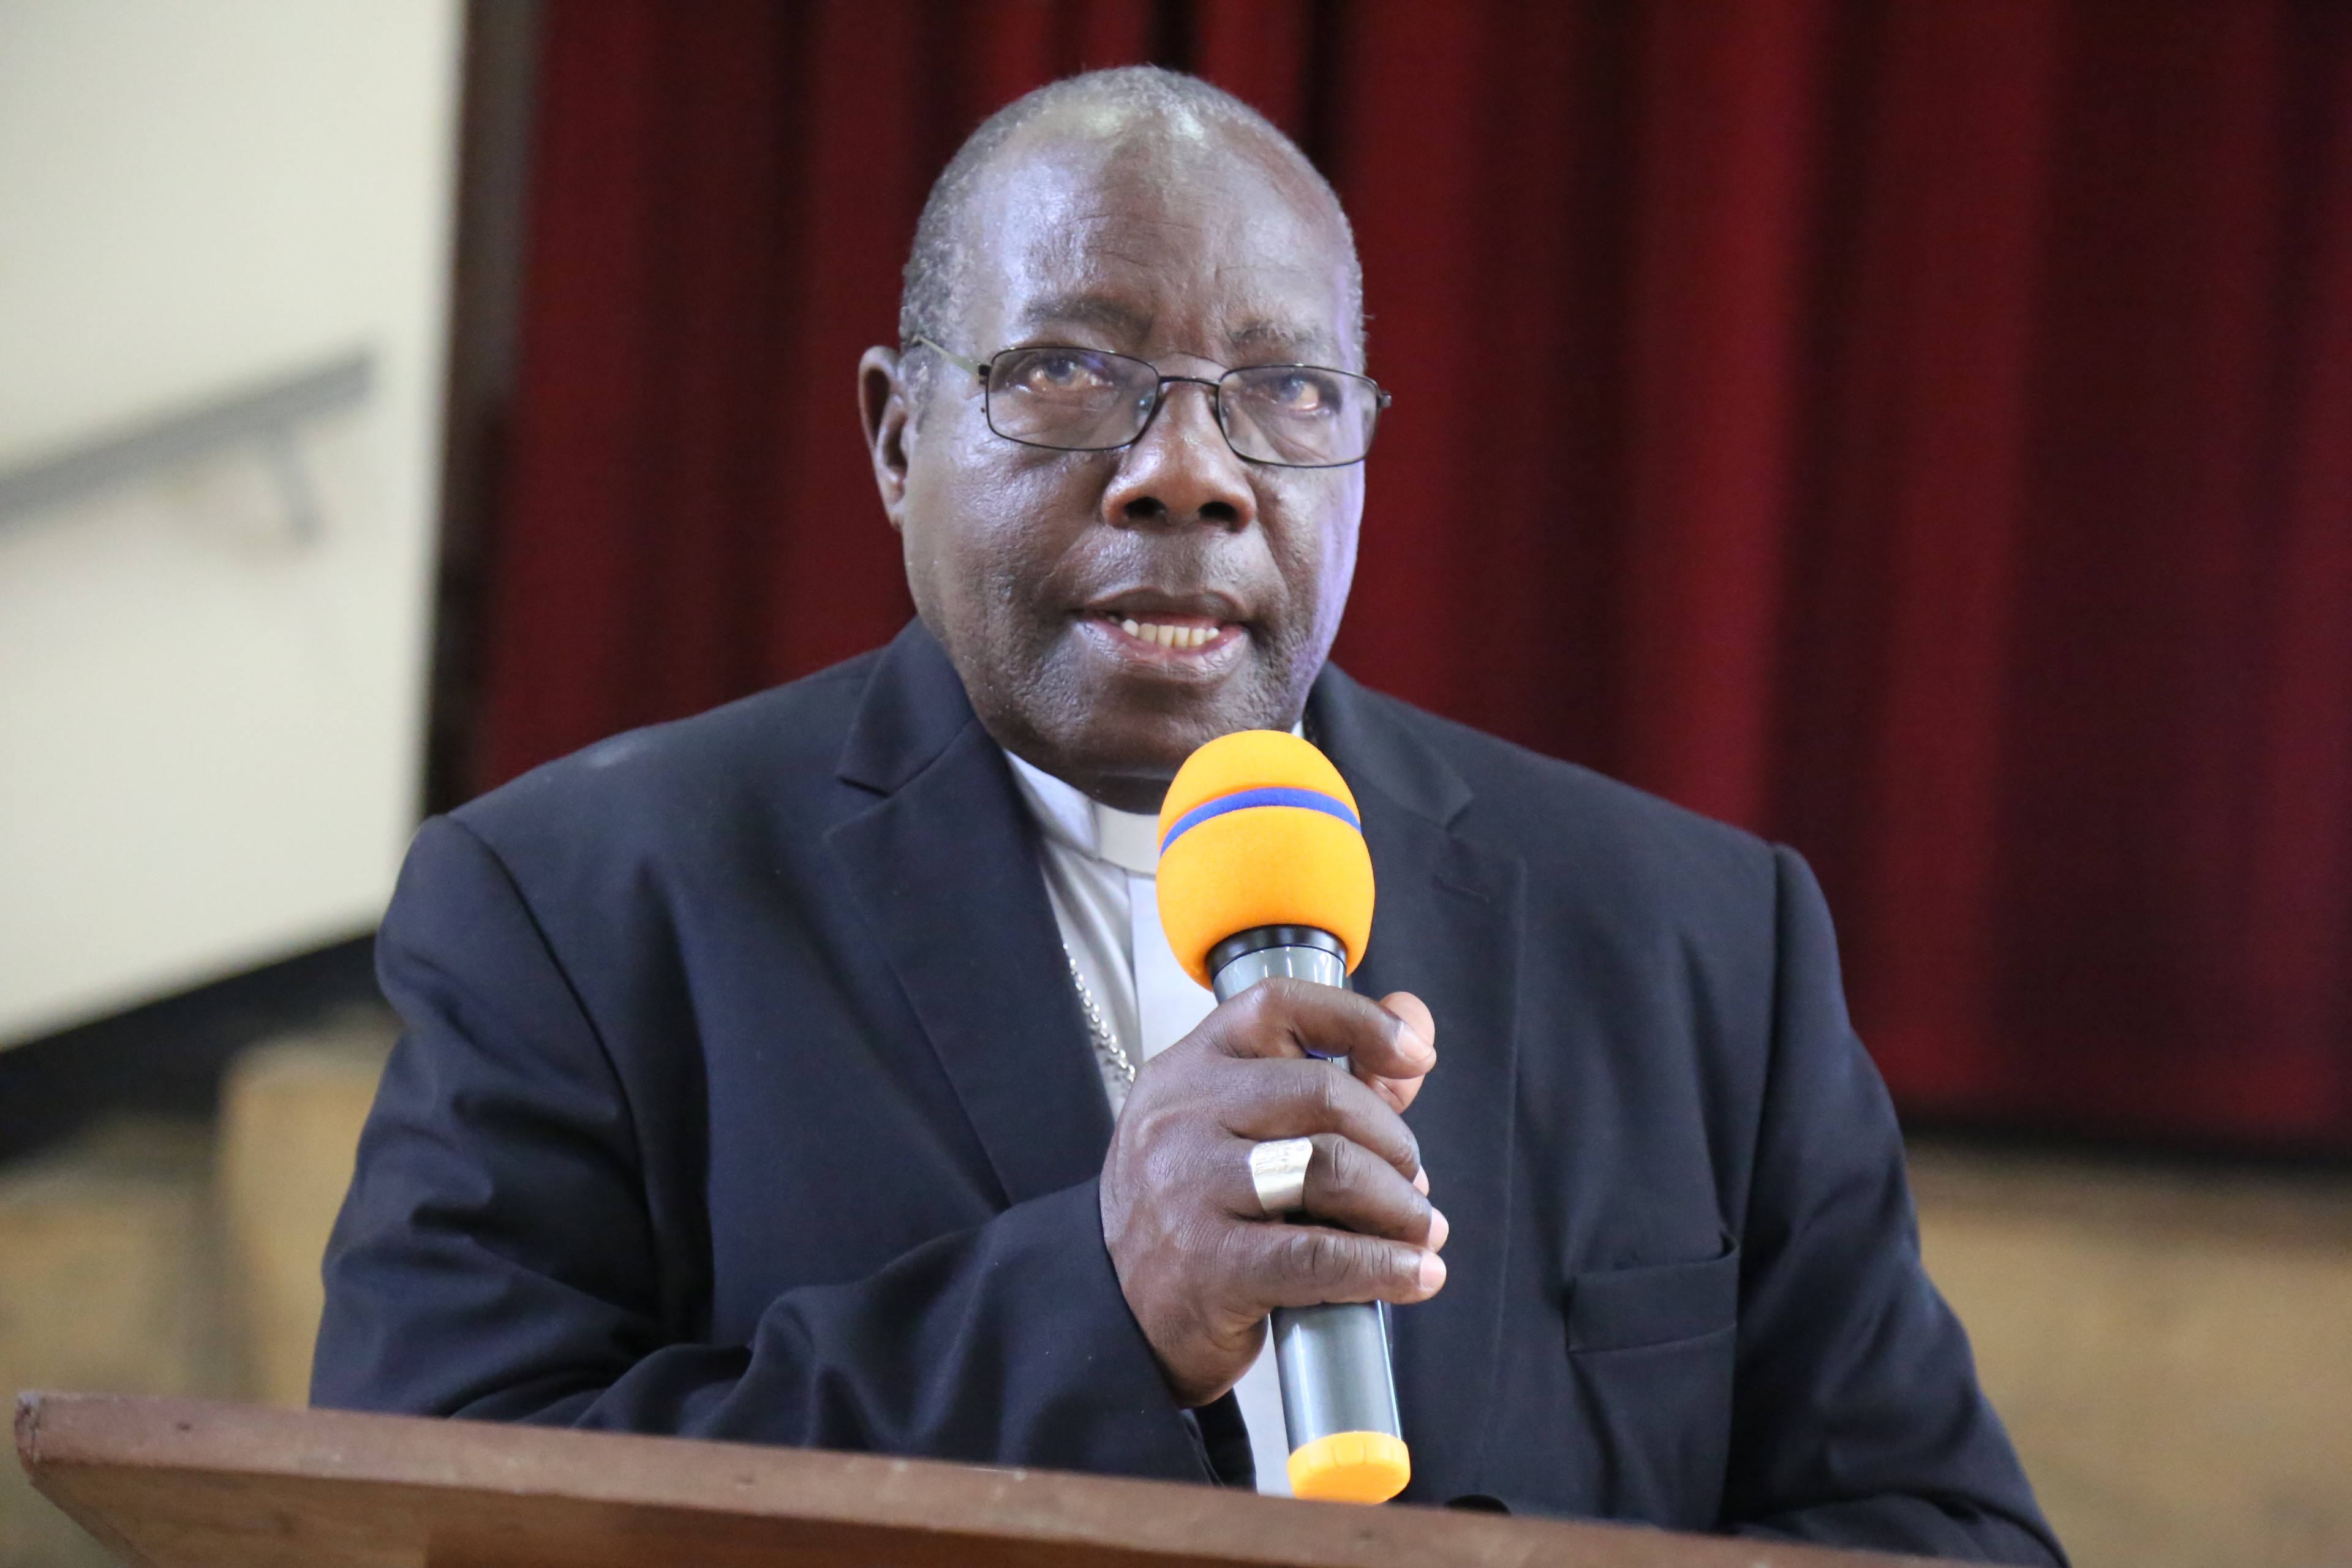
x,y
1651,1356
1625,1309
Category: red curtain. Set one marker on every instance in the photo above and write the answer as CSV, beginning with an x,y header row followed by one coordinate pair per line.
x,y
1922,433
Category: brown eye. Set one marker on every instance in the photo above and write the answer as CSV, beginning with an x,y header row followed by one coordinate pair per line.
x,y
1060,375
1302,393
1296,392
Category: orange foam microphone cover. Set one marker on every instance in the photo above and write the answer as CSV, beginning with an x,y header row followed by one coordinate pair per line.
x,y
1259,829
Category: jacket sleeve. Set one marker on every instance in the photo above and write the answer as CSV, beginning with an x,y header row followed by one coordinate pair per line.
x,y
497,1256
1856,1416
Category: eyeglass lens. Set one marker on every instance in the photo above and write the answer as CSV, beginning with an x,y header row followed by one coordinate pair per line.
x,y
1087,400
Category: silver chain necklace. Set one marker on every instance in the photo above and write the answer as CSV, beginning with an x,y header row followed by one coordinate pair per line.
x,y
1107,1044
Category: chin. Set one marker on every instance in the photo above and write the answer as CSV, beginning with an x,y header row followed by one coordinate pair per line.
x,y
1152,740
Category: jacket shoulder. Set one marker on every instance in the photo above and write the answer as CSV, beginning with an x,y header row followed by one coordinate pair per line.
x,y
1577,827
774,748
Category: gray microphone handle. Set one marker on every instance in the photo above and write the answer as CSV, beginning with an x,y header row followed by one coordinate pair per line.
x,y
1334,1360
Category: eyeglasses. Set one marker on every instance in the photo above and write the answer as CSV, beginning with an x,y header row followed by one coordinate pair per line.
x,y
1087,400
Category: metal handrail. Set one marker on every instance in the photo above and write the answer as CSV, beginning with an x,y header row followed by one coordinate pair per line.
x,y
265,414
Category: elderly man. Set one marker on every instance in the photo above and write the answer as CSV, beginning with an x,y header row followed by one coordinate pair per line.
x,y
814,1071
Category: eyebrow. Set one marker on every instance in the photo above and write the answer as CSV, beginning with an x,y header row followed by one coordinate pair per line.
x,y
1111,316
1313,341
1086,309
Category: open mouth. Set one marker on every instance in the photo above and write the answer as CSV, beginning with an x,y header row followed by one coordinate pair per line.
x,y
1161,631
1178,634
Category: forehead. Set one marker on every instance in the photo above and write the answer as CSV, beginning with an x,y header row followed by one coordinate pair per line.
x,y
1164,237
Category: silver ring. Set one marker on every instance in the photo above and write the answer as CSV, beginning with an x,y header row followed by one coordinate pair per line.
x,y
1279,1172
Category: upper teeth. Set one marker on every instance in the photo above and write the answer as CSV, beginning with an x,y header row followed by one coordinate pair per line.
x,y
1169,636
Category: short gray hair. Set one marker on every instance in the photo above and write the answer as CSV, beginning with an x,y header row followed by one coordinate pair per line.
x,y
935,269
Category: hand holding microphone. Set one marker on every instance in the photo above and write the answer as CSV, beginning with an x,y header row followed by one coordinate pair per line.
x,y
1268,894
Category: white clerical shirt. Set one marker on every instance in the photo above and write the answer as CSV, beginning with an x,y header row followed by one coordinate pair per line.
x,y
1101,868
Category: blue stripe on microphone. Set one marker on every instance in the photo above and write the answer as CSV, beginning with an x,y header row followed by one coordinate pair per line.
x,y
1274,795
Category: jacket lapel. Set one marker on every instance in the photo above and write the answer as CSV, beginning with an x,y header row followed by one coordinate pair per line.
x,y
944,867
1446,927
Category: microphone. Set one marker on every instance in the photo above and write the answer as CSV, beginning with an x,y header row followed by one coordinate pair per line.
x,y
1263,872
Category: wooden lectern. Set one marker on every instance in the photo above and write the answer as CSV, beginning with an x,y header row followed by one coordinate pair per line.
x,y
174,1483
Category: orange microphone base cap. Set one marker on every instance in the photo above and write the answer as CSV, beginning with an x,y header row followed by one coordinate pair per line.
x,y
1350,1467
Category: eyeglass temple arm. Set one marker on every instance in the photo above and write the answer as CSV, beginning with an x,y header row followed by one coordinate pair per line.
x,y
977,367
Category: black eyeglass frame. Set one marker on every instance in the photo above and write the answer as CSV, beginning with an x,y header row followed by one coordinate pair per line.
x,y
981,368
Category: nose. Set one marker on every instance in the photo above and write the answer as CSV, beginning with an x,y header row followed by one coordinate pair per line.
x,y
1180,471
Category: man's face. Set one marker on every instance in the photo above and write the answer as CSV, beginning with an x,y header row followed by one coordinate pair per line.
x,y
1199,253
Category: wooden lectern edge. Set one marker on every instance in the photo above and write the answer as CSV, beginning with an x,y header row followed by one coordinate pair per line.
x,y
116,1463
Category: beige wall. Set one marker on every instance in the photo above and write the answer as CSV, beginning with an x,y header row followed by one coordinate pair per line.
x,y
111,1278
209,729
2171,1347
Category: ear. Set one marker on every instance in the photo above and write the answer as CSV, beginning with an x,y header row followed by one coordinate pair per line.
x,y
884,410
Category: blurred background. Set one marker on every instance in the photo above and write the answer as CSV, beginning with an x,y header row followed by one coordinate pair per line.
x,y
1918,430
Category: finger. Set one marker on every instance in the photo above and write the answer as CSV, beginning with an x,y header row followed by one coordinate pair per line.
x,y
1265,1100
1413,1014
1355,1190
1287,1017
1309,1265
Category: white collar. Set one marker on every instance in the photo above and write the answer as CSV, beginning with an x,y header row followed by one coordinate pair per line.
x,y
1128,839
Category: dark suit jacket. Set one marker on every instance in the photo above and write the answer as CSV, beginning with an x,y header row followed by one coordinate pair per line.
x,y
744,1096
